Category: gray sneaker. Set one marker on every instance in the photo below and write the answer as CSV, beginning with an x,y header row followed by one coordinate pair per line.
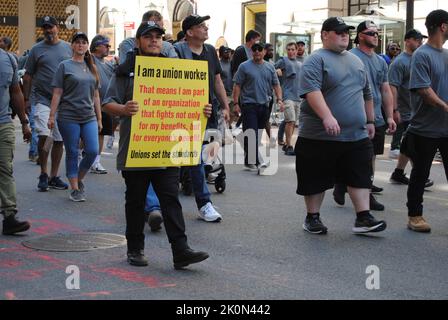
x,y
77,196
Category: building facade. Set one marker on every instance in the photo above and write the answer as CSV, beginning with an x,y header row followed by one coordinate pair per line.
x,y
278,20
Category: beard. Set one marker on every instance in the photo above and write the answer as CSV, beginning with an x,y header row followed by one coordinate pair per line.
x,y
49,37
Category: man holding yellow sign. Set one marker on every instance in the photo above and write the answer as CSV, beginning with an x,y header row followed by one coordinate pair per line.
x,y
144,166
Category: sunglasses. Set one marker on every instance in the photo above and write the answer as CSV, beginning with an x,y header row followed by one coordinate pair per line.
x,y
393,49
257,49
370,33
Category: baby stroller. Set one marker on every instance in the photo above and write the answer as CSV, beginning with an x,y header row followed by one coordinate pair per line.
x,y
215,172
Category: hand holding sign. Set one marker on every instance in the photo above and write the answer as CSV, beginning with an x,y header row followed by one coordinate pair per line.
x,y
130,108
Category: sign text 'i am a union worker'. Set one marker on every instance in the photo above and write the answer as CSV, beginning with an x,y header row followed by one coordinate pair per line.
x,y
169,127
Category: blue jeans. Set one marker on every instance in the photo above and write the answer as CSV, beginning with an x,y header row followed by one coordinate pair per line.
x,y
71,133
34,137
152,202
199,184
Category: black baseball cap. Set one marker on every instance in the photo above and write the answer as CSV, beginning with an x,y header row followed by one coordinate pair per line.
x,y
414,33
364,26
98,40
148,26
258,45
436,18
335,24
49,21
192,20
301,42
78,35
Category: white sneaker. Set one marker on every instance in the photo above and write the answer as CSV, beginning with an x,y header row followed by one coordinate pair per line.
x,y
209,214
98,168
393,154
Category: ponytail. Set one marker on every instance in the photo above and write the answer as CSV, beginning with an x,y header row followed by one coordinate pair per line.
x,y
91,65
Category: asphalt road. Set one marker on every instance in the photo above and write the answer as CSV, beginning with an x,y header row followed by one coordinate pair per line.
x,y
259,250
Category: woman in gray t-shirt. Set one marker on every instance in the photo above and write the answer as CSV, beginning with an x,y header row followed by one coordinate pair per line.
x,y
77,106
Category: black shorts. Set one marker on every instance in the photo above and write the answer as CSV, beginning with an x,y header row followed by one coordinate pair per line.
x,y
107,124
379,139
320,164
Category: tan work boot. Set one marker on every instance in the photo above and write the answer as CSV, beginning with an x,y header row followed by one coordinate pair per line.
x,y
418,224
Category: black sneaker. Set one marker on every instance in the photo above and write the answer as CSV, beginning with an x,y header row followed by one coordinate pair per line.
x,y
57,183
137,258
12,226
284,148
429,183
290,151
376,189
314,225
187,257
368,224
399,178
43,182
339,195
375,205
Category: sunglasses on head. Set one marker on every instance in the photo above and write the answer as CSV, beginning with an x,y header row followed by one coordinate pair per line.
x,y
370,33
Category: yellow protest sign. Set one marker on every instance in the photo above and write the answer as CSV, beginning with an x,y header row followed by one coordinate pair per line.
x,y
170,125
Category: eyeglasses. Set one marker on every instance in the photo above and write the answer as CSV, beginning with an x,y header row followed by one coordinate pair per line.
x,y
370,33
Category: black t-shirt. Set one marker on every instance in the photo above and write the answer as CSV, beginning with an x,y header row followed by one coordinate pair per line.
x,y
214,68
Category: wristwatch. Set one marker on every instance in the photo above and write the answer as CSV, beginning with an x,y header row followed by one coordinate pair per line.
x,y
370,122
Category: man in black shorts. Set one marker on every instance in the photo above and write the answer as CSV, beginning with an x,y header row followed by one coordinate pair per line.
x,y
336,122
376,67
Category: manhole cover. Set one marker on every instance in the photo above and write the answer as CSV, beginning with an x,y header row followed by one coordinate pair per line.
x,y
74,242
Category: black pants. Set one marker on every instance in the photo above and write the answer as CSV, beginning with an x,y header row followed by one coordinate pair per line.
x,y
421,150
166,186
254,119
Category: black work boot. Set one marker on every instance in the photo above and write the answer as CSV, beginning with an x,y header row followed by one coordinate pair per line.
x,y
12,226
137,258
186,257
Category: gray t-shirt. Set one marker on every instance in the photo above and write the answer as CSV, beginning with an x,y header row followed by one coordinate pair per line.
x,y
302,58
256,81
342,79
226,76
399,72
377,73
290,78
429,69
105,72
128,45
8,77
42,63
78,85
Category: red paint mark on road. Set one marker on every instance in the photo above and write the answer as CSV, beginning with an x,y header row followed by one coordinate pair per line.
x,y
110,220
96,294
27,275
10,263
9,295
47,226
129,276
